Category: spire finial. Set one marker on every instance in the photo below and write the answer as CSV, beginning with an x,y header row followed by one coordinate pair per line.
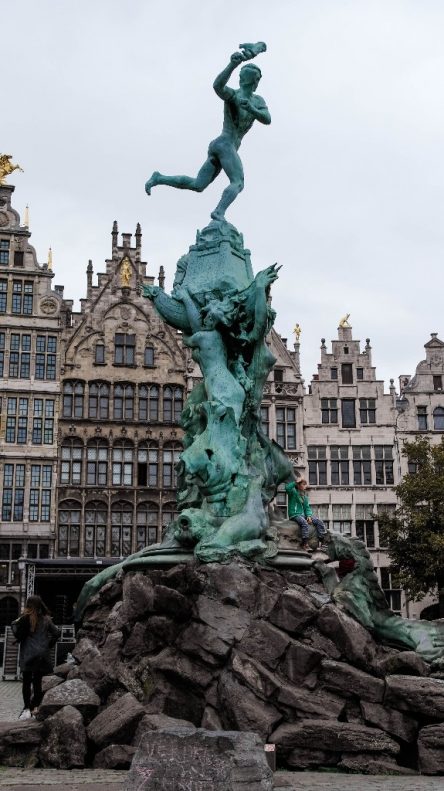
x,y
26,217
50,259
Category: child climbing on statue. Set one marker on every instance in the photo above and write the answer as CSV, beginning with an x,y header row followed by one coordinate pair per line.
x,y
299,510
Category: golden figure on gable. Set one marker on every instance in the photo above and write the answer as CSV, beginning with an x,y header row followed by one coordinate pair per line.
x,y
344,322
125,272
7,167
297,332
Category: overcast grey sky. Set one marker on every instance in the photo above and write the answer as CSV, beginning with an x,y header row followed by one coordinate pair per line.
x,y
345,189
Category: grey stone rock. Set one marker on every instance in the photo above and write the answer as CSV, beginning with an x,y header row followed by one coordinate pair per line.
x,y
267,598
63,670
211,720
431,749
19,743
371,764
137,643
138,595
176,700
155,722
95,672
308,703
404,663
178,665
241,709
320,642
170,602
303,758
118,618
48,682
232,584
394,722
299,660
229,622
217,760
64,740
416,695
185,577
85,648
112,646
117,723
352,640
111,591
74,692
254,675
204,642
264,641
115,756
347,680
332,736
294,611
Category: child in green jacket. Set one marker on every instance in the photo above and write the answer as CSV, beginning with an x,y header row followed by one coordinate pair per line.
x,y
299,510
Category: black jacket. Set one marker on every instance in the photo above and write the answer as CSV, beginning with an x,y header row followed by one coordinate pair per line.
x,y
35,647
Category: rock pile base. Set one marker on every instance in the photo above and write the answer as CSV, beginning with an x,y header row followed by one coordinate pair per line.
x,y
235,647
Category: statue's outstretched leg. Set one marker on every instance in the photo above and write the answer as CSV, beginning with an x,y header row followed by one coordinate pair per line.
x,y
232,165
208,172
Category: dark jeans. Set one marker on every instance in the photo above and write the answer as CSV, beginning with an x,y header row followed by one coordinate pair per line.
x,y
305,527
32,680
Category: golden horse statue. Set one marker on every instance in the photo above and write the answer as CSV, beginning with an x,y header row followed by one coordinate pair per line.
x,y
7,167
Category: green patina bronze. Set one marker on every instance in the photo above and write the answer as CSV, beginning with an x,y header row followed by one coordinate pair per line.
x,y
360,594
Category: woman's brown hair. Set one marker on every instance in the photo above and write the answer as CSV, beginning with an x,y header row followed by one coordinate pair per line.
x,y
35,609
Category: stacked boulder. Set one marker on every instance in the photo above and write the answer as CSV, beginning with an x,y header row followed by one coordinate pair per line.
x,y
235,647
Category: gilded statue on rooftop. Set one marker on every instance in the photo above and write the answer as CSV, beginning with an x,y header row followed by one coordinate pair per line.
x,y
7,167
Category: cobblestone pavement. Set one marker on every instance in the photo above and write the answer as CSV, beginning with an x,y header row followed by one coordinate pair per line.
x,y
61,779
11,701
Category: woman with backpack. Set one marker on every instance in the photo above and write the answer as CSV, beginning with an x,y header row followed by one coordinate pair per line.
x,y
37,634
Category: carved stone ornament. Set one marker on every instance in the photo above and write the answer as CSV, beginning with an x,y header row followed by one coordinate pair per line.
x,y
125,313
4,219
48,305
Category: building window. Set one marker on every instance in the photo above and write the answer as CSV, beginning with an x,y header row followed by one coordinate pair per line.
x,y
412,467
317,465
348,413
13,492
334,373
43,421
365,525
37,551
367,410
9,573
19,258
322,513
69,529
45,358
73,399
171,454
95,530
438,418
437,382
169,513
17,420
3,295
124,349
121,529
172,404
20,356
392,588
40,493
123,402
278,375
97,463
347,373
281,499
147,525
329,410
99,354
342,521
265,420
360,374
384,465
22,297
4,251
339,465
286,427
98,400
149,403
71,462
422,418
147,465
362,465
148,356
2,353
123,464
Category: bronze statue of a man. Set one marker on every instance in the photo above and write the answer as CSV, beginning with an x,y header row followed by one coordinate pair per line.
x,y
241,108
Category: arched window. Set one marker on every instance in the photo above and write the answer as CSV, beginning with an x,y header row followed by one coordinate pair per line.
x,y
95,530
99,354
9,610
171,453
69,528
147,524
123,464
148,357
147,464
168,404
98,401
149,403
438,418
178,403
121,529
71,464
123,402
73,399
97,463
169,512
